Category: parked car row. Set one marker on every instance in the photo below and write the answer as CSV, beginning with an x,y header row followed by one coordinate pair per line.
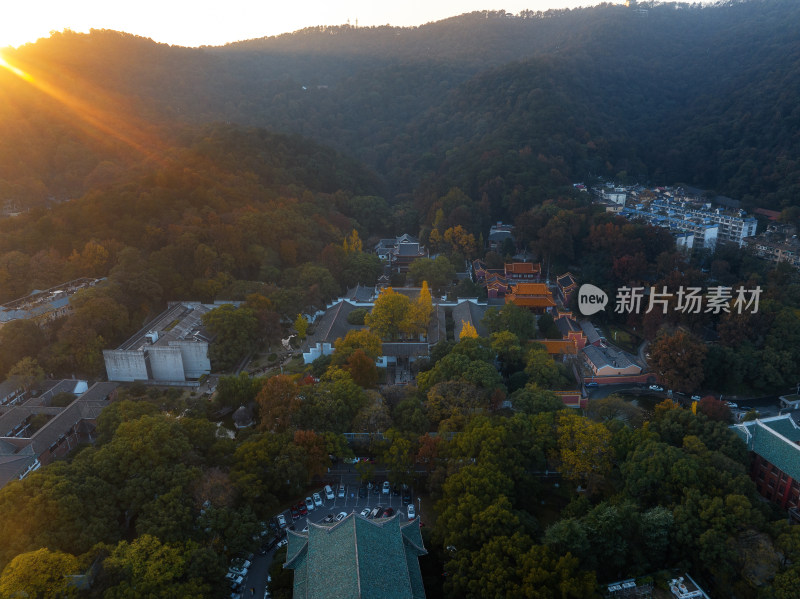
x,y
237,572
382,512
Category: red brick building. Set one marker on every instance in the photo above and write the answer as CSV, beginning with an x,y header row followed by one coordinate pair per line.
x,y
774,445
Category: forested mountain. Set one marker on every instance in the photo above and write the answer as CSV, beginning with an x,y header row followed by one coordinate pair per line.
x,y
261,171
485,101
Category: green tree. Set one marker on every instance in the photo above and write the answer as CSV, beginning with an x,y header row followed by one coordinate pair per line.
x,y
235,333
237,390
584,449
267,468
42,573
438,272
533,400
506,346
513,318
26,373
146,567
399,457
19,339
542,369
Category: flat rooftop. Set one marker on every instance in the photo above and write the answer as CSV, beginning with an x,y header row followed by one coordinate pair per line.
x,y
180,321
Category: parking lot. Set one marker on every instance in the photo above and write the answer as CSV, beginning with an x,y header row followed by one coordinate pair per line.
x,y
351,502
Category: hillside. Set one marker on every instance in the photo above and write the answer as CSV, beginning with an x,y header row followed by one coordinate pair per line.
x,y
681,93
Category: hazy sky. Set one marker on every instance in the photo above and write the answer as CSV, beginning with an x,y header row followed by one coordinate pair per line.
x,y
198,22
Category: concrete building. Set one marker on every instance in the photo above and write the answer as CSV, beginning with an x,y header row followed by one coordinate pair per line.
x,y
172,348
776,250
708,225
617,196
23,449
704,232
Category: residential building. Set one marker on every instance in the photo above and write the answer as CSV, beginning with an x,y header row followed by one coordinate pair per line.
x,y
617,195
10,392
23,450
776,249
170,349
774,445
705,233
357,558
709,225
43,306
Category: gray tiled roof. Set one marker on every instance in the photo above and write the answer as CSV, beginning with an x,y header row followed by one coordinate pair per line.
x,y
359,558
607,356
592,336
567,325
7,388
12,466
469,312
18,452
333,324
565,280
775,440
408,249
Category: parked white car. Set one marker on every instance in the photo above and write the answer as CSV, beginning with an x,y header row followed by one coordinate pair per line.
x,y
317,500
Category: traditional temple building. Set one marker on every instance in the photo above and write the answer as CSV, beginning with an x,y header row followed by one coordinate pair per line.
x,y
567,287
523,271
534,296
357,559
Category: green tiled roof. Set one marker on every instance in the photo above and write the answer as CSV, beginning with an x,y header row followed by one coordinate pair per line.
x,y
775,440
358,558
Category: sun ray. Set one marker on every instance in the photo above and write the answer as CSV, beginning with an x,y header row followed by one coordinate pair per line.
x,y
101,122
